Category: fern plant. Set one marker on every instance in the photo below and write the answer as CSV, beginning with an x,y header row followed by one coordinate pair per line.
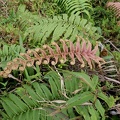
x,y
48,55
75,6
49,30
40,30
60,97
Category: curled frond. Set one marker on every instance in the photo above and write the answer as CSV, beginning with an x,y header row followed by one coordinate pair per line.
x,y
81,50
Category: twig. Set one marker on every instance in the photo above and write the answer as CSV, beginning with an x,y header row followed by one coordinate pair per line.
x,y
112,80
112,44
62,83
107,63
109,70
11,76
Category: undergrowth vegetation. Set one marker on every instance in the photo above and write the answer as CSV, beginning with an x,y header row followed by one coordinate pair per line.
x,y
59,60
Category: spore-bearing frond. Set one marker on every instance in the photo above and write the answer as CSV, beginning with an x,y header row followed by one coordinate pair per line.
x,y
81,50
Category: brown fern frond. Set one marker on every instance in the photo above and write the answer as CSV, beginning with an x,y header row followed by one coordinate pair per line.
x,y
82,51
115,6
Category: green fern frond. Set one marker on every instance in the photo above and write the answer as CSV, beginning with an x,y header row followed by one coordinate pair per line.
x,y
41,101
39,30
9,52
60,97
49,30
28,103
75,6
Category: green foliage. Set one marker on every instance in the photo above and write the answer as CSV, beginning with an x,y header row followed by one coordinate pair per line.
x,y
117,58
25,18
44,8
57,97
39,30
8,53
49,9
79,7
117,55
49,30
43,30
105,19
43,95
101,3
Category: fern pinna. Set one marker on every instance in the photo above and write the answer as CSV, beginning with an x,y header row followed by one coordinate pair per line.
x,y
81,51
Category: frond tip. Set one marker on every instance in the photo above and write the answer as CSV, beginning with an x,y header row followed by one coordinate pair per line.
x,y
53,54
